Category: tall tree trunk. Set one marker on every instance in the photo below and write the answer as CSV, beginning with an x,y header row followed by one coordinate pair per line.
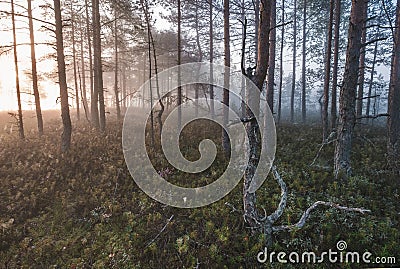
x,y
94,96
151,39
150,81
303,70
75,63
371,80
256,23
66,120
98,68
348,91
200,51
271,61
335,65
20,118
227,51
211,34
144,78
252,128
294,62
394,101
361,77
124,81
34,72
117,105
83,83
179,63
328,55
160,102
243,84
281,64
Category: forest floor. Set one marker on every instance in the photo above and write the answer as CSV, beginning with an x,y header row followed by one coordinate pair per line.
x,y
82,209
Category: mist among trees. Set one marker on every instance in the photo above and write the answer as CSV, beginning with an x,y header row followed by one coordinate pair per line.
x,y
329,72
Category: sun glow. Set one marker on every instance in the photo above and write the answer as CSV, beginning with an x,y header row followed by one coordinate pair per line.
x,y
48,89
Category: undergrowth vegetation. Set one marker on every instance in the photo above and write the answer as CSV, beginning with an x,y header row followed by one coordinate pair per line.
x,y
82,209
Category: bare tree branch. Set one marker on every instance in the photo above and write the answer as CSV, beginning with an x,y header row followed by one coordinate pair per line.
x,y
25,16
162,230
327,141
282,204
307,213
374,117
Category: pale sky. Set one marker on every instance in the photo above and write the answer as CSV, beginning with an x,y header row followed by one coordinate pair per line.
x,y
8,98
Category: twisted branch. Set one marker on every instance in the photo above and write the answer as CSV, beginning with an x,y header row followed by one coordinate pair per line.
x,y
307,213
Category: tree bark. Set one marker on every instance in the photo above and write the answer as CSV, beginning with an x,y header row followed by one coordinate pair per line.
x,y
74,63
34,72
348,91
256,23
151,39
227,51
20,118
328,56
94,95
394,101
98,68
66,120
179,103
271,61
281,64
252,128
117,105
83,81
335,65
303,70
361,77
371,81
294,62
211,33
200,51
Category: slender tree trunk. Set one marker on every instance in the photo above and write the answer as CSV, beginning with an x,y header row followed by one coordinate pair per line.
x,y
196,93
20,118
179,63
361,77
124,81
294,62
256,23
328,55
144,78
281,64
243,84
66,120
211,33
348,91
117,105
160,102
98,67
394,101
83,83
271,61
335,65
94,96
371,80
252,128
34,72
150,36
227,50
303,92
151,86
75,63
